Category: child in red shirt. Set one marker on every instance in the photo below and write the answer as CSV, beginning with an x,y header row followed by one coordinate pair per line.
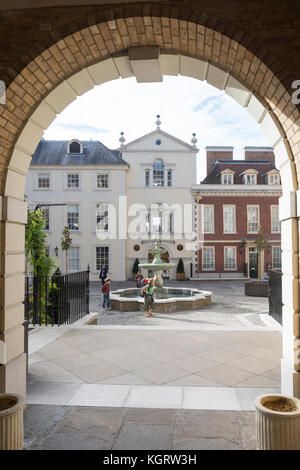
x,y
105,292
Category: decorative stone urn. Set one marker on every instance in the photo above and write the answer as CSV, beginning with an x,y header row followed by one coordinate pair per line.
x,y
11,422
277,422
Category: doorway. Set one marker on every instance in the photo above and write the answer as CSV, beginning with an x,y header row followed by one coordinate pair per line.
x,y
253,263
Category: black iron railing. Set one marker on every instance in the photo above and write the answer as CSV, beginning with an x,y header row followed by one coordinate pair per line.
x,y
275,295
57,300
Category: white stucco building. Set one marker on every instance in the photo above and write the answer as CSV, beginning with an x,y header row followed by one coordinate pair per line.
x,y
116,201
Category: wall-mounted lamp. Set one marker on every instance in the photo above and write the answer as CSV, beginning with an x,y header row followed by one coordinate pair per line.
x,y
56,251
241,249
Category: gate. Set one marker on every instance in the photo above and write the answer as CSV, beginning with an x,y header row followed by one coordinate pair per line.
x,y
58,299
275,295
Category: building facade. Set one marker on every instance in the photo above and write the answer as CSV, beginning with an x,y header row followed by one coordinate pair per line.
x,y
234,200
116,202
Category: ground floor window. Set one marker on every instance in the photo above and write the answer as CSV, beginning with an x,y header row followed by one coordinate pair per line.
x,y
276,257
229,257
102,257
208,258
74,258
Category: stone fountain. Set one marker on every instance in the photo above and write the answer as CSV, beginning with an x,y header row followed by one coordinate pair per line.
x,y
167,299
158,266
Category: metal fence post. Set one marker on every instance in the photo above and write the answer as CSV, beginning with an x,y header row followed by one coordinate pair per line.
x,y
88,290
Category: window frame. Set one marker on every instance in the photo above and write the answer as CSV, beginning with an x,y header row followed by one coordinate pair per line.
x,y
107,204
103,173
73,204
214,258
234,218
273,175
79,260
213,218
161,171
258,223
78,142
37,187
66,180
273,249
279,224
235,258
108,257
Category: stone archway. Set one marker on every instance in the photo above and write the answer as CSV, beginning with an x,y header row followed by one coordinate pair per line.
x,y
117,49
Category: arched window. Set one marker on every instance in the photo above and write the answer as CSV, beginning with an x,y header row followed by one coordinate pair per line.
x,y
75,147
158,172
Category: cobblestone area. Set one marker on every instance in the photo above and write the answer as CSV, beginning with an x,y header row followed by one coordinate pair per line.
x,y
230,307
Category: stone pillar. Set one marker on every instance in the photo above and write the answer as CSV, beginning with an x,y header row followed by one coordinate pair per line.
x,y
290,364
13,214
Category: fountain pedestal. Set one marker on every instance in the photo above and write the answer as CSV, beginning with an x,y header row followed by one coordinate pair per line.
x,y
157,265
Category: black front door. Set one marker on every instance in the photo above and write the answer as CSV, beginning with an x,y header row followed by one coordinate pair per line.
x,y
253,263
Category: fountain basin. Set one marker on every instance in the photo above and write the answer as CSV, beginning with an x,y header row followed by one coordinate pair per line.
x,y
176,299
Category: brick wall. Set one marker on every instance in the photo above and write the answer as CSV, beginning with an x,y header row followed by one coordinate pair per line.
x,y
241,203
213,156
260,155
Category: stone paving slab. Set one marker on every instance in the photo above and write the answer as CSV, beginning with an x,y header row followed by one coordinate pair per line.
x,y
157,357
146,396
83,428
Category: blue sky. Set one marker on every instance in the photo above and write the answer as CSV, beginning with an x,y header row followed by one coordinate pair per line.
x,y
186,105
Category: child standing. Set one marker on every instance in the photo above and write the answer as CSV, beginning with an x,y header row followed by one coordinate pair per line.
x,y
105,292
139,278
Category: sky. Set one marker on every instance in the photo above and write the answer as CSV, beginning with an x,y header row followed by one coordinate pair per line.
x,y
185,105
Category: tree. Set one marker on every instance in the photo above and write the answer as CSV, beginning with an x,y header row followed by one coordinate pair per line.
x,y
180,267
35,244
135,268
260,244
66,242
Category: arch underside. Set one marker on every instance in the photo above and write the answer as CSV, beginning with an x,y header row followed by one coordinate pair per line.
x,y
104,52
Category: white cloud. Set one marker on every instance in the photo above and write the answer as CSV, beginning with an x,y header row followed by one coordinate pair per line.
x,y
186,105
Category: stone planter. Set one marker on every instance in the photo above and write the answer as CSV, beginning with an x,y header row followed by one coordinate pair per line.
x,y
277,430
257,289
11,422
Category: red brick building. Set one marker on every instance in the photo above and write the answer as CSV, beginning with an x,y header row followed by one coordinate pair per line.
x,y
233,201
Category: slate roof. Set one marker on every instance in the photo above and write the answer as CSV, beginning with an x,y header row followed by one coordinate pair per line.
x,y
239,166
55,152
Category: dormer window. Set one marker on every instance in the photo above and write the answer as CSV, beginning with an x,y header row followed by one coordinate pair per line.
x,y
227,177
250,177
75,147
273,178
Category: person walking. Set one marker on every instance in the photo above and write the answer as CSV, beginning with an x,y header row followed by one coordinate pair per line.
x,y
148,297
103,273
106,295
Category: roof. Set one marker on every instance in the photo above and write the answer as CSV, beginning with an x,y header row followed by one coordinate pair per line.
x,y
163,133
239,167
55,152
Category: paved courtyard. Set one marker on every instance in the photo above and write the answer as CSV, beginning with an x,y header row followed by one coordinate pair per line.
x,y
137,380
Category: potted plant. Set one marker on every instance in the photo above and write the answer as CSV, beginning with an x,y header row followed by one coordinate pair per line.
x,y
277,422
180,270
258,288
11,421
135,269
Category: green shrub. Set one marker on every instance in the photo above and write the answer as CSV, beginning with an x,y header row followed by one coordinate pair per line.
x,y
135,268
180,267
